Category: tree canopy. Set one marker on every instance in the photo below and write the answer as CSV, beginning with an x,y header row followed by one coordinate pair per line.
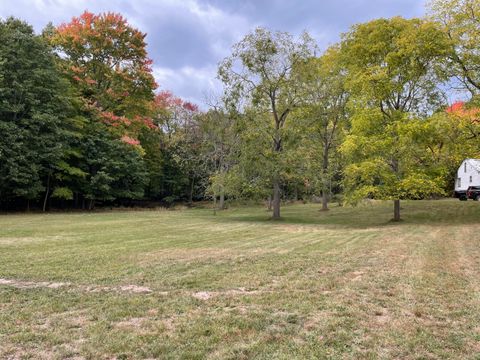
x,y
83,122
33,111
260,71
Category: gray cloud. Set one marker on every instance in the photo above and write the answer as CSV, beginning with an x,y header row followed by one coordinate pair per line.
x,y
186,39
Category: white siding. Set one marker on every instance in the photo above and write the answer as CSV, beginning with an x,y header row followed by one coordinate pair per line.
x,y
468,174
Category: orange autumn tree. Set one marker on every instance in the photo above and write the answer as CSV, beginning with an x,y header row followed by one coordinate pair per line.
x,y
106,60
466,117
470,113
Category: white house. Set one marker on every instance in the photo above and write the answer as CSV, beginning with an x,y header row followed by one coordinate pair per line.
x,y
468,174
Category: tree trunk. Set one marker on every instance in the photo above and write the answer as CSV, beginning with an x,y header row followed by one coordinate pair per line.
x,y
28,205
221,206
215,204
46,193
276,200
325,180
269,202
396,203
324,200
277,147
190,197
396,210
90,204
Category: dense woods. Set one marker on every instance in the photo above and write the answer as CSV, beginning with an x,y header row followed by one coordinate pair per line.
x,y
84,124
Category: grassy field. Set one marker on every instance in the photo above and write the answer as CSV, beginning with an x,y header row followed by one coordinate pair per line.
x,y
186,284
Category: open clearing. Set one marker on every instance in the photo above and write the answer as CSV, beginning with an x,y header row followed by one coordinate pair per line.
x,y
187,284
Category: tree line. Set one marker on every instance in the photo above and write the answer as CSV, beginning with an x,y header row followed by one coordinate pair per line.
x,y
83,124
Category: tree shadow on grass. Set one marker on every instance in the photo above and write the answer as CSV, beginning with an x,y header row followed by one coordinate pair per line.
x,y
448,212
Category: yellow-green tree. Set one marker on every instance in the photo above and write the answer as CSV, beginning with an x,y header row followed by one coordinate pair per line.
x,y
391,75
460,19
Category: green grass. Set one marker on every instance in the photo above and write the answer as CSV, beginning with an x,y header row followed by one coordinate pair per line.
x,y
346,284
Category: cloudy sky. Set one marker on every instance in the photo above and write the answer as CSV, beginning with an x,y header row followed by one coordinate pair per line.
x,y
187,38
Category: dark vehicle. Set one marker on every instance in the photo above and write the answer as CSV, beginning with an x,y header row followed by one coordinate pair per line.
x,y
461,195
473,192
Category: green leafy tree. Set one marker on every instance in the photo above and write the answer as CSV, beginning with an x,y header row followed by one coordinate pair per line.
x,y
390,64
260,71
460,19
115,170
33,109
256,160
219,147
185,171
154,158
106,62
325,117
451,135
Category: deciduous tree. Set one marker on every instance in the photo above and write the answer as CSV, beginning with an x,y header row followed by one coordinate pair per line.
x,y
106,59
324,114
460,19
220,148
390,65
33,110
260,71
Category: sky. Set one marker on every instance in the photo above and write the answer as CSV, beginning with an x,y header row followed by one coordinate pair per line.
x,y
187,39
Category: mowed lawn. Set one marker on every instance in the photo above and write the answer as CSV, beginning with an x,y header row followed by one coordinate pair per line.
x,y
185,284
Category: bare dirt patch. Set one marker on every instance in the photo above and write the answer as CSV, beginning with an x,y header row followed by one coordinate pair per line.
x,y
135,289
357,275
19,284
382,317
131,323
130,289
205,295
32,285
19,240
